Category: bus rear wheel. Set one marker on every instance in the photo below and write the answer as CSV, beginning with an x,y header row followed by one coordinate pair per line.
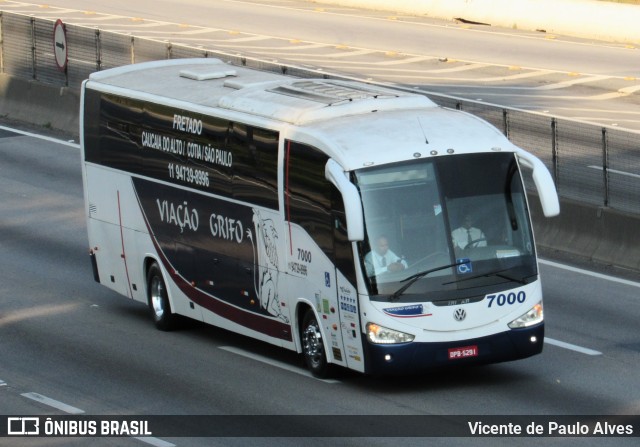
x,y
159,299
313,346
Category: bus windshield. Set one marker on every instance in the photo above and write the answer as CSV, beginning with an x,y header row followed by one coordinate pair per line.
x,y
445,228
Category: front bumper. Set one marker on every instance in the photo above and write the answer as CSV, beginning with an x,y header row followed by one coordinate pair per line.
x,y
410,358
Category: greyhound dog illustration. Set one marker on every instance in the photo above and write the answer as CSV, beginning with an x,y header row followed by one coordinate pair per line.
x,y
265,261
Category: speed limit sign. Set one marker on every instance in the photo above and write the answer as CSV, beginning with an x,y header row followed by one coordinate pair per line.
x,y
60,45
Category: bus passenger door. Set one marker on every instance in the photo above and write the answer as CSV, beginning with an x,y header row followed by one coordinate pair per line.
x,y
310,248
349,309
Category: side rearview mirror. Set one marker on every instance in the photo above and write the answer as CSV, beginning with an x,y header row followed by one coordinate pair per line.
x,y
543,181
351,198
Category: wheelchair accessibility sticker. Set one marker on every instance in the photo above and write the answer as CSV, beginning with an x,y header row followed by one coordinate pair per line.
x,y
464,266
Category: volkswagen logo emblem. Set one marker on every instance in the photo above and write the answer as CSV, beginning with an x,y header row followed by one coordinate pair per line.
x,y
459,314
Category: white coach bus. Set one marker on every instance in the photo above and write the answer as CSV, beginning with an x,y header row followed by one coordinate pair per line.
x,y
358,225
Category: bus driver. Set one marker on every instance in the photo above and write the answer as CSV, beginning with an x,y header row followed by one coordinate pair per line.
x,y
468,236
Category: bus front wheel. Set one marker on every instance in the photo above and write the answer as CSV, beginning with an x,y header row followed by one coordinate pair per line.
x,y
159,299
313,346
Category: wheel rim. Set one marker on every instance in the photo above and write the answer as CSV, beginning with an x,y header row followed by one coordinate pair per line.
x,y
157,297
313,344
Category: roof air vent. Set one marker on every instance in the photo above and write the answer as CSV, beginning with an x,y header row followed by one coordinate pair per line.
x,y
205,73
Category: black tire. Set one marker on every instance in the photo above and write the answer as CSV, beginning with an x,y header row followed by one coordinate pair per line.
x,y
158,300
313,347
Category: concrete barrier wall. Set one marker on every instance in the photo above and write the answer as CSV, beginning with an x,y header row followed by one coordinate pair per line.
x,y
591,19
40,104
598,234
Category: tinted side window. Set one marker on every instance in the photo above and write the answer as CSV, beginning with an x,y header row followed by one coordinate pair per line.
x,y
185,148
255,165
91,126
120,118
309,193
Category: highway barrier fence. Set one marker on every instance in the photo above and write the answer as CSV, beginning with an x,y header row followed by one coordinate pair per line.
x,y
596,168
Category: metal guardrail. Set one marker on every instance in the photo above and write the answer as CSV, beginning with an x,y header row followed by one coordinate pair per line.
x,y
594,165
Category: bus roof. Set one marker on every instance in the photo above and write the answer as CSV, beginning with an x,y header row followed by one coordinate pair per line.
x,y
362,124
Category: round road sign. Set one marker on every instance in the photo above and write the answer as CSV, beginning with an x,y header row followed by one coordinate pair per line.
x,y
60,44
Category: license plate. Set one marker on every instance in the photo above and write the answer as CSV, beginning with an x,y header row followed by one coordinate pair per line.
x,y
461,353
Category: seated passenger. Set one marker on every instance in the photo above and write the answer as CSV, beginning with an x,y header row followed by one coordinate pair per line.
x,y
381,259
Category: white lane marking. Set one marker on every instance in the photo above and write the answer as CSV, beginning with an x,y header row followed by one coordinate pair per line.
x,y
230,44
465,67
275,363
97,17
250,38
142,25
53,403
156,442
423,74
190,31
589,273
614,121
407,60
564,84
626,91
594,110
42,137
615,171
348,52
576,348
40,11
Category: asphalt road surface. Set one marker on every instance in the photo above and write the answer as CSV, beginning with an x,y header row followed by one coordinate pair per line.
x,y
71,346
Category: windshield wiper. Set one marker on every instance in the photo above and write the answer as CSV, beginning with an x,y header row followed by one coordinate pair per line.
x,y
498,273
413,278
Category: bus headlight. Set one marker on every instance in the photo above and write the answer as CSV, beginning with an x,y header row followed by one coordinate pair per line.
x,y
535,315
382,335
